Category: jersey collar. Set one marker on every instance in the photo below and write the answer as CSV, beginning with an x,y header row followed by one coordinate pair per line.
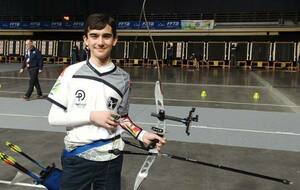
x,y
107,69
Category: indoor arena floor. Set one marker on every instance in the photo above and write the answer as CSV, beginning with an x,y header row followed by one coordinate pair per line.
x,y
248,120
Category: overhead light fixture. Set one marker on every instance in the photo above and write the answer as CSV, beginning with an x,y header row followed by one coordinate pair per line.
x,y
66,18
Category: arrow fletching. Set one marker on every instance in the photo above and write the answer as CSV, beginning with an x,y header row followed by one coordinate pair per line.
x,y
12,162
7,159
13,147
18,150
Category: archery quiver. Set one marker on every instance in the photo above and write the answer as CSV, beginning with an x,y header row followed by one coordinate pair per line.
x,y
50,177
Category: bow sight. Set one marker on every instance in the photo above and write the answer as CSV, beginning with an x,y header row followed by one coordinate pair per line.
x,y
186,121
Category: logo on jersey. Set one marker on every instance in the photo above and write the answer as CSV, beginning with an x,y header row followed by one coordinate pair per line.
x,y
55,88
112,103
80,97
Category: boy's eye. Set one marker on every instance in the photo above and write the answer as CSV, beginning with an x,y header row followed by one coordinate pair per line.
x,y
94,36
107,35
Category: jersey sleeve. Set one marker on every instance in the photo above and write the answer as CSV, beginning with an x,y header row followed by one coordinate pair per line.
x,y
124,105
59,114
59,92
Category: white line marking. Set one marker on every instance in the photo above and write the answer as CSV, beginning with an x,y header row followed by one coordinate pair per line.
x,y
22,115
199,101
22,78
218,102
153,83
192,126
228,129
184,100
11,92
247,130
205,85
22,184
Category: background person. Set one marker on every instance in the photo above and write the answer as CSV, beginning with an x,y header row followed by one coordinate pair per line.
x,y
33,62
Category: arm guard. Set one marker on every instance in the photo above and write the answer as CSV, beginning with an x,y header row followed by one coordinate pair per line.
x,y
130,127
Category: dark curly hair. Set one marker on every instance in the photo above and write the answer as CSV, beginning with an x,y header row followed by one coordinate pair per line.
x,y
98,21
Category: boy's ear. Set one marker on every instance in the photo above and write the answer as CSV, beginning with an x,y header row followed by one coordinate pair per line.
x,y
84,37
115,41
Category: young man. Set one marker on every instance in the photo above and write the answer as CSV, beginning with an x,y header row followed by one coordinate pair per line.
x,y
86,99
34,64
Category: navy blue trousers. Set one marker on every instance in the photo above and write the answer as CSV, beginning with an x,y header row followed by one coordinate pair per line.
x,y
81,174
34,82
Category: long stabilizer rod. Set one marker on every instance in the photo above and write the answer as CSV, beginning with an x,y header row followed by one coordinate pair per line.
x,y
117,152
284,181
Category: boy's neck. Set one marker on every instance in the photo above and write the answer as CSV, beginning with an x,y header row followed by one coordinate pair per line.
x,y
99,62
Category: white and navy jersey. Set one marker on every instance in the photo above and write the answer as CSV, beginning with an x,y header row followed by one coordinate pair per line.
x,y
81,88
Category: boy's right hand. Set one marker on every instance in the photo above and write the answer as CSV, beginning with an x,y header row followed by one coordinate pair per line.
x,y
104,119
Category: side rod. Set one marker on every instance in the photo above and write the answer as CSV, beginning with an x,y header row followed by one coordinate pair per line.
x,y
117,152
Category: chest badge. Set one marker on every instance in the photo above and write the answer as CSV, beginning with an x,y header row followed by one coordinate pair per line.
x,y
80,97
112,103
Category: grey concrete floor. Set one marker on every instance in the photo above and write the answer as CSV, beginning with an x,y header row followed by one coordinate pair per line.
x,y
171,174
228,91
232,89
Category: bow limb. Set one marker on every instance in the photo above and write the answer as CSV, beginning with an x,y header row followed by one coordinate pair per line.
x,y
161,127
143,173
160,109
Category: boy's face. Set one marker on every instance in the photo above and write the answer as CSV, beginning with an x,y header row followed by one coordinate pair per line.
x,y
100,43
